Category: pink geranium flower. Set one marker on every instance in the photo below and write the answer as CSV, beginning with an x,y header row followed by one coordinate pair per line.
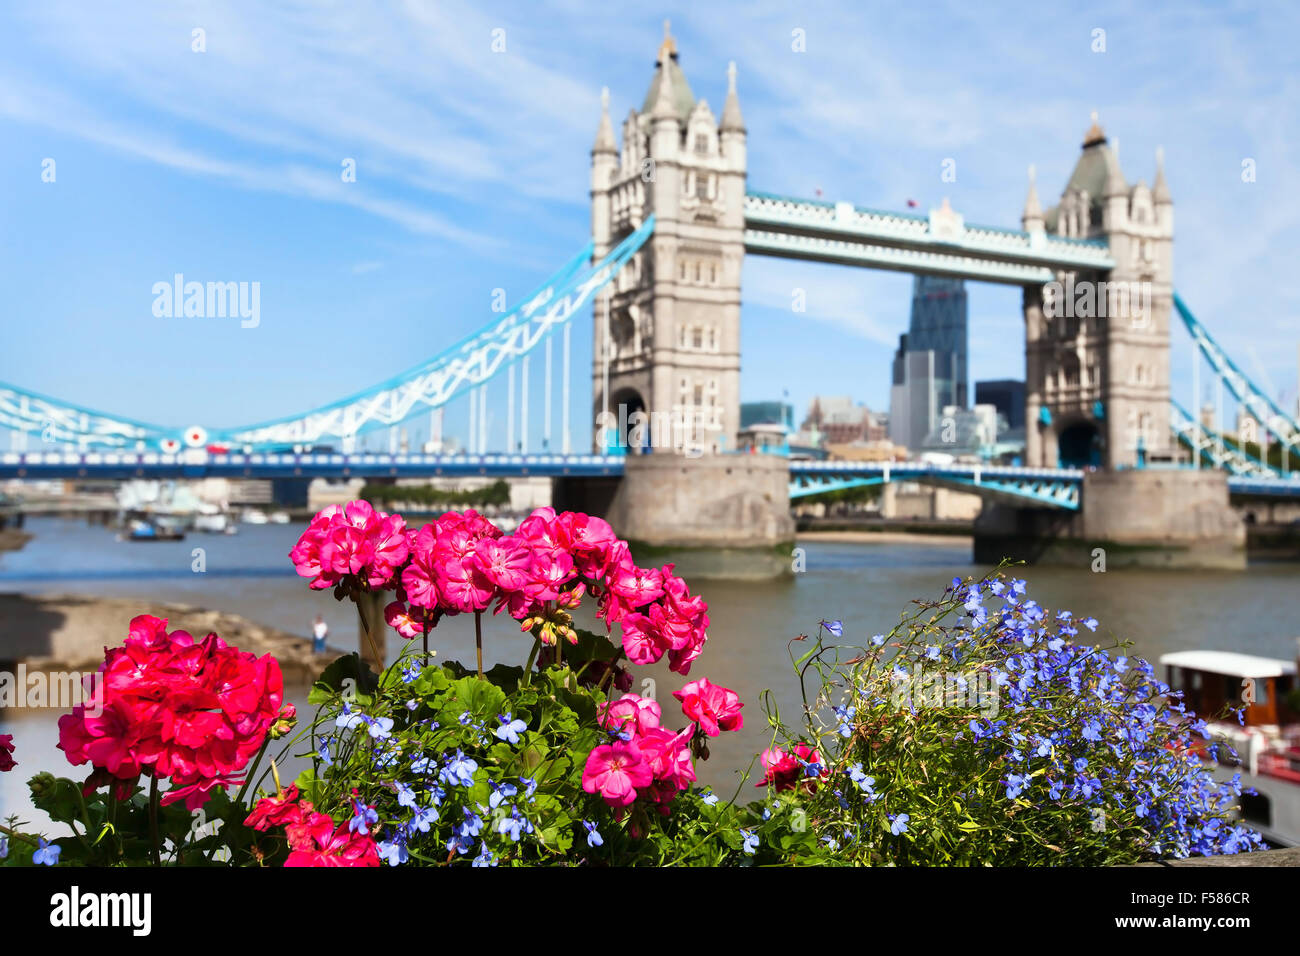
x,y
615,771
399,618
714,708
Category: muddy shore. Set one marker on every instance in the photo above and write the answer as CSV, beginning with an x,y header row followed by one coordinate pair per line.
x,y
69,632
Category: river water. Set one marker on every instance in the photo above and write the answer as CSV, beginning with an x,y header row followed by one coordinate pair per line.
x,y
864,585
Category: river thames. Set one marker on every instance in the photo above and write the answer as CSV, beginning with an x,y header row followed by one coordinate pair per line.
x,y
866,585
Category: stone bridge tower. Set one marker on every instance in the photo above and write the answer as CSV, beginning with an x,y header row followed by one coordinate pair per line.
x,y
1097,345
673,313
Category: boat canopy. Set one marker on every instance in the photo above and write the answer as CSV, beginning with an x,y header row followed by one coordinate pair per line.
x,y
1230,663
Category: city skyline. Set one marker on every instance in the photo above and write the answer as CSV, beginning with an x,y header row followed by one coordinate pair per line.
x,y
170,160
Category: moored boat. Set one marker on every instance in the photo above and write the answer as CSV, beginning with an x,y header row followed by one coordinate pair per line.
x,y
1267,742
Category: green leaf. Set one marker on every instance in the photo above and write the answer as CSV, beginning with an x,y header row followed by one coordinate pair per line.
x,y
347,675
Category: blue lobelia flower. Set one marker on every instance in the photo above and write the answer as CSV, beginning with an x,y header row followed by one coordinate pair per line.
x,y
4,848
363,817
473,824
1016,783
709,797
424,818
459,770
348,719
593,835
514,825
484,858
381,728
751,841
898,824
394,852
530,787
500,792
835,628
421,763
405,796
47,854
510,730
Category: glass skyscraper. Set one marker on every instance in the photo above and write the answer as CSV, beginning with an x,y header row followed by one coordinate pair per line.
x,y
929,371
939,325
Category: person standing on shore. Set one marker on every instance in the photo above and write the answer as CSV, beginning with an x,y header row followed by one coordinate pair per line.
x,y
319,632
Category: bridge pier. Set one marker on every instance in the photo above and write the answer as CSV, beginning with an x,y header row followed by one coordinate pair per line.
x,y
717,516
1162,518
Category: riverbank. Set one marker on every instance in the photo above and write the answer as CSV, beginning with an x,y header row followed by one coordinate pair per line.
x,y
944,540
64,632
12,539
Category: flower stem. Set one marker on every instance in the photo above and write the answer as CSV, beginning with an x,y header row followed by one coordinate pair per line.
x,y
153,820
478,639
365,629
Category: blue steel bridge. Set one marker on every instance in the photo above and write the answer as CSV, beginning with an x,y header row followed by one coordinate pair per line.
x,y
662,274
77,442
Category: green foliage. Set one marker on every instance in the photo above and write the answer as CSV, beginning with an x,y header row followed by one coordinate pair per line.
x,y
409,497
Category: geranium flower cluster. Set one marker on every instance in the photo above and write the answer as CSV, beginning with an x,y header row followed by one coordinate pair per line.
x,y
166,705
463,563
313,837
7,761
648,760
351,541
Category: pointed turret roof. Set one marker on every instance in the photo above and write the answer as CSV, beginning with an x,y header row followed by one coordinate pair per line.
x,y
1160,188
679,91
1033,208
1115,184
605,132
731,118
1091,172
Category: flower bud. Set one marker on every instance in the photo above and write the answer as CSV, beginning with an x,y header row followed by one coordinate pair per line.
x,y
284,722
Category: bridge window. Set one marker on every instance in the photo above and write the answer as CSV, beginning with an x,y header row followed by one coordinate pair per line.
x,y
701,142
697,338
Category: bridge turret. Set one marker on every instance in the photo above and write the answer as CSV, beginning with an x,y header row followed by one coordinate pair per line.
x,y
604,166
1097,348
674,316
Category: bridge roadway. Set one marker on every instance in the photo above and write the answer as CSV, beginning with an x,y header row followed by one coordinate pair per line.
x,y
1044,487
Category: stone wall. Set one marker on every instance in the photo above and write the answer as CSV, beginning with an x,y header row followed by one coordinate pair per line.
x,y
1155,517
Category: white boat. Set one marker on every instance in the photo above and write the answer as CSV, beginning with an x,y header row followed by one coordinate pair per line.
x,y
254,516
1267,743
216,523
279,517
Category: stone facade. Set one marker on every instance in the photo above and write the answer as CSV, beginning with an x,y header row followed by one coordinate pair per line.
x,y
673,316
1153,517
1097,345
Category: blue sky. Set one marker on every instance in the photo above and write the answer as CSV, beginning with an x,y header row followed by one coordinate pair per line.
x,y
472,175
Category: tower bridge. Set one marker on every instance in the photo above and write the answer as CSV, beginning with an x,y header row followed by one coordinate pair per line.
x,y
1108,454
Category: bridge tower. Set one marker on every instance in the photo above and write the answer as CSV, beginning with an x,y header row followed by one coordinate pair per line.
x,y
1097,344
671,319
